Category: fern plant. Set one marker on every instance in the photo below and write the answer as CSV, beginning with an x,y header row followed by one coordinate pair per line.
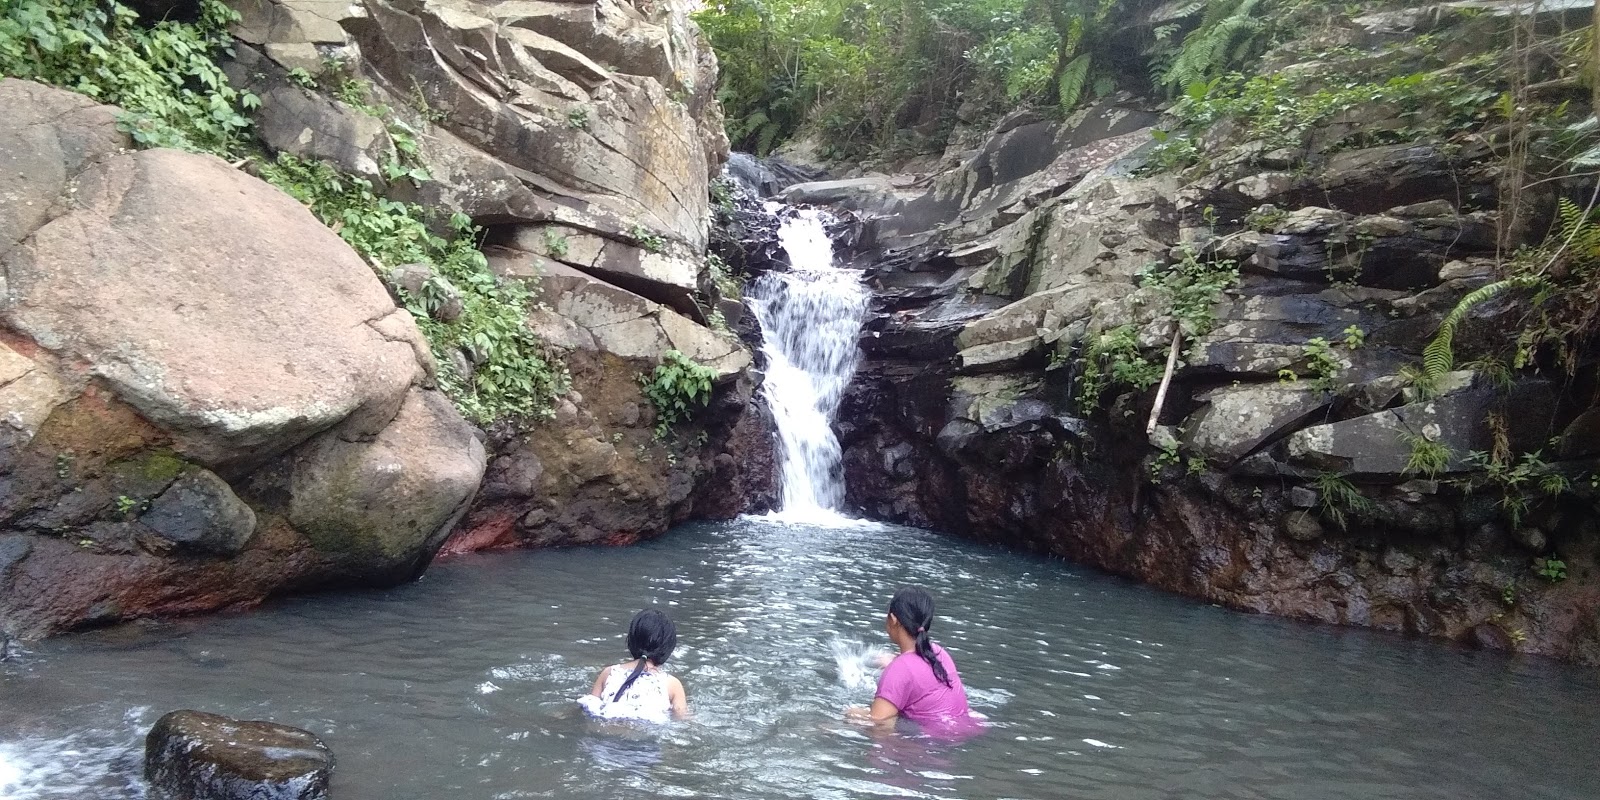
x,y
1438,357
1227,34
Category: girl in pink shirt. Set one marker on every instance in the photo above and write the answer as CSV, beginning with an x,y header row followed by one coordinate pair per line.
x,y
921,684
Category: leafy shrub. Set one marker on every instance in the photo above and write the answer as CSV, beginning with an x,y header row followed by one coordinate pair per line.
x,y
512,378
1112,359
676,388
1551,569
1427,457
1192,288
163,76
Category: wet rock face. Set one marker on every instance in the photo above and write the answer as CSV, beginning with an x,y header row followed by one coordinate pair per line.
x,y
192,755
168,362
598,474
1402,565
1291,468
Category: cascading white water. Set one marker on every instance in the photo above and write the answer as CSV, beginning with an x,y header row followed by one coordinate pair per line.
x,y
810,319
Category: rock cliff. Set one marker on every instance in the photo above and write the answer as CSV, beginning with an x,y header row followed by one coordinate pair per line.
x,y
210,397
1028,301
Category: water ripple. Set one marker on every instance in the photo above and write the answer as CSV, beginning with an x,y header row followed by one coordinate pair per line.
x,y
462,686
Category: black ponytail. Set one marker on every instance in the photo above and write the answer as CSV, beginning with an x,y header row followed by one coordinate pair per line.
x,y
913,607
651,639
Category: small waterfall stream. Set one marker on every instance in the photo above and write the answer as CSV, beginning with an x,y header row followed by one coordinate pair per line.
x,y
810,319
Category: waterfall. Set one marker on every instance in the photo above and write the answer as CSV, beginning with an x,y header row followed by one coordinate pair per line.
x,y
810,319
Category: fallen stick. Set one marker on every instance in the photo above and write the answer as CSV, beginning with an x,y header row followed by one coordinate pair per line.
x,y
1166,379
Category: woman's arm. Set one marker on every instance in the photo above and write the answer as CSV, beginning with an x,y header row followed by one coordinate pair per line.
x,y
881,711
600,682
678,698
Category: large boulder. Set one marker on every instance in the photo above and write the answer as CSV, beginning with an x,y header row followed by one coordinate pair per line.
x,y
596,116
180,342
200,511
1382,443
215,304
382,507
193,755
639,266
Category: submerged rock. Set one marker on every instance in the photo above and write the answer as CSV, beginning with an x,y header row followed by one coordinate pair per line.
x,y
193,755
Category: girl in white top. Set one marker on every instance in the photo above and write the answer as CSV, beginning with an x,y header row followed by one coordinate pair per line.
x,y
639,690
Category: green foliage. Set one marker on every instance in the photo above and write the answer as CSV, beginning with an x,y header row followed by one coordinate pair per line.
x,y
126,505
1338,496
1564,276
356,93
1113,359
722,277
1551,569
511,378
676,388
555,244
1518,482
1167,455
1265,218
1438,357
865,73
1192,288
406,163
1354,338
1322,363
1283,109
578,117
164,76
721,190
652,242
717,322
1427,456
1228,33
420,104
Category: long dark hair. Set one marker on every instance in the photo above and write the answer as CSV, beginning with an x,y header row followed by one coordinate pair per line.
x,y
913,607
651,639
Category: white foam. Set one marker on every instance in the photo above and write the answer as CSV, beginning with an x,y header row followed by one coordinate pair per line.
x,y
857,663
80,765
810,321
10,775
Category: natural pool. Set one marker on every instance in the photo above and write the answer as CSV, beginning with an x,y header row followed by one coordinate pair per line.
x,y
461,686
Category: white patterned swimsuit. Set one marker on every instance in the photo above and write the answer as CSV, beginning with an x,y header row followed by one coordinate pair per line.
x,y
646,700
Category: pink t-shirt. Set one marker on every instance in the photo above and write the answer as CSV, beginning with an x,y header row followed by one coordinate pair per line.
x,y
909,683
